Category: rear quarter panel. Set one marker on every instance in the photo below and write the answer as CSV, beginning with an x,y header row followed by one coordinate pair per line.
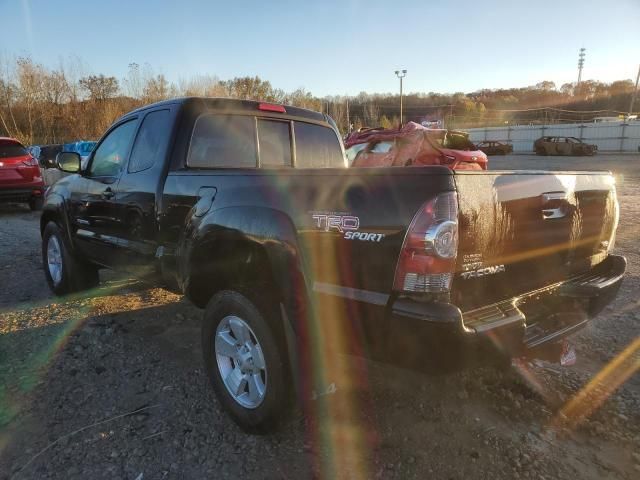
x,y
307,221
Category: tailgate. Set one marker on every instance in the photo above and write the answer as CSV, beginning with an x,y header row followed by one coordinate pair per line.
x,y
13,171
520,231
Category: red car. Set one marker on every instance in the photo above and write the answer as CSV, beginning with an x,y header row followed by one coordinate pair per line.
x,y
20,176
415,145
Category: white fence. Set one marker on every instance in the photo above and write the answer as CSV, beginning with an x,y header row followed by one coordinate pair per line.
x,y
608,136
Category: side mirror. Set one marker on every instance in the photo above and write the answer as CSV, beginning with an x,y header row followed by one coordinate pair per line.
x,y
68,162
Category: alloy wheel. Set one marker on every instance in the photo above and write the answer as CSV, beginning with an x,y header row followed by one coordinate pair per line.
x,y
240,361
54,259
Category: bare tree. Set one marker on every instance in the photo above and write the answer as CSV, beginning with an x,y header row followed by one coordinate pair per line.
x,y
133,82
100,87
371,114
8,94
158,88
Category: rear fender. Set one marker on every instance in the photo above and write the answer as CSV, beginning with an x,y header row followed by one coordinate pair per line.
x,y
242,244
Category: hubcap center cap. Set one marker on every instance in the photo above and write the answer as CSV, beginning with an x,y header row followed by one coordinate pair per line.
x,y
245,359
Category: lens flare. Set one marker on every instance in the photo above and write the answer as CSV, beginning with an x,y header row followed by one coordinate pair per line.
x,y
593,394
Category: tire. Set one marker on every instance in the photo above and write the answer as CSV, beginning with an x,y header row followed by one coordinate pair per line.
x,y
35,203
256,398
64,273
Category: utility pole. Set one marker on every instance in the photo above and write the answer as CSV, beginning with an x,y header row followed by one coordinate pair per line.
x,y
635,93
401,74
581,56
348,120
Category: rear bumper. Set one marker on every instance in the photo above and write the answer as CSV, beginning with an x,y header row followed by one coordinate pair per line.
x,y
524,322
22,193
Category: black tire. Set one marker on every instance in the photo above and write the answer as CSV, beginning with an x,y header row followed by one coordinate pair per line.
x,y
35,203
76,275
268,415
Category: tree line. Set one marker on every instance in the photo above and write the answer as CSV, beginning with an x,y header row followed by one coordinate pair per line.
x,y
41,105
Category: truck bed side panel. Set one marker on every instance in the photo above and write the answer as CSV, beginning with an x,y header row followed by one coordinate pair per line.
x,y
324,205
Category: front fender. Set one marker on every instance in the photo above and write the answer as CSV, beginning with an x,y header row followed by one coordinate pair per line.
x,y
55,209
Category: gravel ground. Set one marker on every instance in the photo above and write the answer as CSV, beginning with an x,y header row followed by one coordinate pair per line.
x,y
111,385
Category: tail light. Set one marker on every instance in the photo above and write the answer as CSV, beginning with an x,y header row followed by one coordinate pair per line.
x,y
30,162
427,259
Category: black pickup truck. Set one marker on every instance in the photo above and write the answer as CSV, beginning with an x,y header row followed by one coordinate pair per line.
x,y
249,210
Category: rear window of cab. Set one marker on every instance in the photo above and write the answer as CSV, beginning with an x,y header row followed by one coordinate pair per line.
x,y
244,141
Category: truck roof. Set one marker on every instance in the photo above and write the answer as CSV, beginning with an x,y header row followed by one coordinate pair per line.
x,y
218,103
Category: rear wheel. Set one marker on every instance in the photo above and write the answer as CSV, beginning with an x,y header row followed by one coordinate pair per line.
x,y
244,361
64,273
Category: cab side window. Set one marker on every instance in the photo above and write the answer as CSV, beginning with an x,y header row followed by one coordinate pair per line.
x,y
111,155
317,147
151,142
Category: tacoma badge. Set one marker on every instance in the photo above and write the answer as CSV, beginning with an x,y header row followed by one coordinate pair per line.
x,y
481,272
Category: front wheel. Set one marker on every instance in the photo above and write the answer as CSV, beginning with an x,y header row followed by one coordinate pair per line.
x,y
64,273
244,361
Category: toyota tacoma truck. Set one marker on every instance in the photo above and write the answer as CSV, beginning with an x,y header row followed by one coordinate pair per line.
x,y
248,209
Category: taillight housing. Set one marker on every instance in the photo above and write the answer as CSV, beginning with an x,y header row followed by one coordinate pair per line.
x,y
427,259
30,162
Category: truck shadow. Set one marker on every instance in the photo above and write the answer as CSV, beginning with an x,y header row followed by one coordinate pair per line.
x,y
14,209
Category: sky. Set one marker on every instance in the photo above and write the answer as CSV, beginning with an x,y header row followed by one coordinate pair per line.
x,y
334,47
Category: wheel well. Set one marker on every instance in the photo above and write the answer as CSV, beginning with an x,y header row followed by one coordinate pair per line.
x,y
236,266
46,218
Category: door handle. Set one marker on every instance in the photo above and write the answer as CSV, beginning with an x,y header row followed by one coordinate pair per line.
x,y
108,193
205,200
549,213
554,205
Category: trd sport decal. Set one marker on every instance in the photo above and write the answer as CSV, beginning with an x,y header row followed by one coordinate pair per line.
x,y
337,222
345,224
366,236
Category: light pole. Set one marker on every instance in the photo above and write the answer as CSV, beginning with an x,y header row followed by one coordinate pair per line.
x,y
401,74
581,56
635,92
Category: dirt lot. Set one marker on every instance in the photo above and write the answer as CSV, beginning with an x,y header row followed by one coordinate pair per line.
x,y
110,385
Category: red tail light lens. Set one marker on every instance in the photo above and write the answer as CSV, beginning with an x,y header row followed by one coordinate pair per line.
x,y
427,259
